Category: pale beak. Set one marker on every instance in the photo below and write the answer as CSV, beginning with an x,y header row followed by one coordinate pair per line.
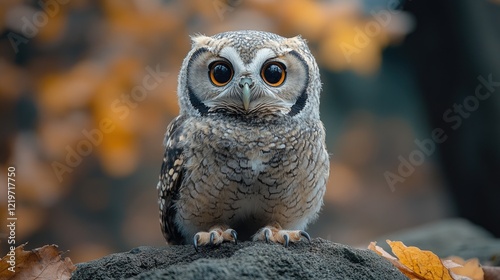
x,y
245,85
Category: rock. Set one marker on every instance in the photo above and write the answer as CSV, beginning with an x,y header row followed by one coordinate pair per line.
x,y
321,259
451,237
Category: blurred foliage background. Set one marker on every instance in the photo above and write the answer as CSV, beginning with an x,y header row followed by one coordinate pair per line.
x,y
390,69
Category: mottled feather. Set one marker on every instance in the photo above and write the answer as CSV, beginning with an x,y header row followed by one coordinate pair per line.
x,y
171,176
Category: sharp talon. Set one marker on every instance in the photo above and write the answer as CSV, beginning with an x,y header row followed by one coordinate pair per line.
x,y
306,235
235,236
266,234
287,239
212,237
195,242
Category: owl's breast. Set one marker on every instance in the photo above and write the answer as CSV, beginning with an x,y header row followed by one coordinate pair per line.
x,y
242,160
244,173
253,156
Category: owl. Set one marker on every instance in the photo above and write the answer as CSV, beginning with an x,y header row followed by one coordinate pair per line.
x,y
246,157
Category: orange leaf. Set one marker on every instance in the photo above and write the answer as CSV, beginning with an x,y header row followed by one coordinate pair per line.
x,y
423,263
404,269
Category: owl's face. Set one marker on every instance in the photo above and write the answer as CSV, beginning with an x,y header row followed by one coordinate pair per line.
x,y
249,73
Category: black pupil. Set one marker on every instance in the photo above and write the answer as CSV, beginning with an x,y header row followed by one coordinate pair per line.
x,y
273,73
222,73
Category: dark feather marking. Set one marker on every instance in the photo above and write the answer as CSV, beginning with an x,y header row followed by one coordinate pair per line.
x,y
172,153
302,99
195,101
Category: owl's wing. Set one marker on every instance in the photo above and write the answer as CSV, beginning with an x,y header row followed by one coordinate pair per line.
x,y
171,177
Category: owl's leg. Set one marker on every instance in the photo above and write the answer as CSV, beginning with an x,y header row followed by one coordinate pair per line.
x,y
216,235
274,233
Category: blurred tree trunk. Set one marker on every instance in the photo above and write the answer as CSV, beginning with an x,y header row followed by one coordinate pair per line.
x,y
456,42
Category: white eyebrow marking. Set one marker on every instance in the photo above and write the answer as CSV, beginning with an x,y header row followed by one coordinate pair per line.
x,y
260,57
233,56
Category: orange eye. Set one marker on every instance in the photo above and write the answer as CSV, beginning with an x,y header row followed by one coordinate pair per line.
x,y
220,73
273,73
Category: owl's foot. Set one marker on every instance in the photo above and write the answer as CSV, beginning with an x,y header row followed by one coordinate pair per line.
x,y
274,233
215,236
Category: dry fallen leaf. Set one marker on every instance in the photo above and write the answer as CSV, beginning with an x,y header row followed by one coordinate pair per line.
x,y
424,263
413,262
40,263
461,268
404,269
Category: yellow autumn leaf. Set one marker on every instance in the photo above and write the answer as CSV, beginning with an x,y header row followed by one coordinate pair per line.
x,y
419,264
423,263
404,269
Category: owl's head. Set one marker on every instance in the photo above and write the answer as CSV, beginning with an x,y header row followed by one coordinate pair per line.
x,y
249,74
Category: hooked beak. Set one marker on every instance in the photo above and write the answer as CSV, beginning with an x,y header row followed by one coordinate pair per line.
x,y
245,85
